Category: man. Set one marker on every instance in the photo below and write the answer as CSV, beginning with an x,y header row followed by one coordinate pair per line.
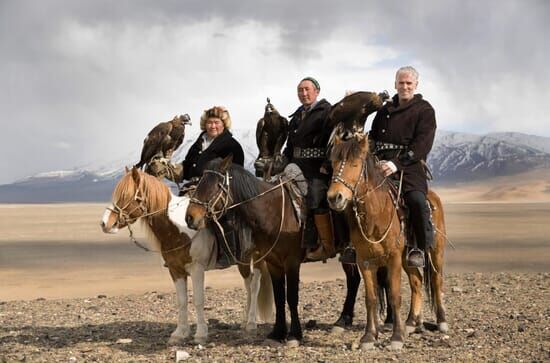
x,y
306,146
403,132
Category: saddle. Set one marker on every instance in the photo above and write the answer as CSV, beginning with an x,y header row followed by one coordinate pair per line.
x,y
296,188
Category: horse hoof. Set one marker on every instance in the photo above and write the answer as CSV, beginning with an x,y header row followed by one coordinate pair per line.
x,y
443,327
396,345
337,330
367,346
410,329
387,327
200,340
177,340
293,343
251,327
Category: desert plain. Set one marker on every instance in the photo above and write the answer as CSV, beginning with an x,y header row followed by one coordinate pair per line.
x,y
68,292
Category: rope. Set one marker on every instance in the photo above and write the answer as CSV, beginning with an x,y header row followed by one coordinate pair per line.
x,y
238,261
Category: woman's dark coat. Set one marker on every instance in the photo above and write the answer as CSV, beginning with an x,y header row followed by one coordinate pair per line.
x,y
223,145
413,125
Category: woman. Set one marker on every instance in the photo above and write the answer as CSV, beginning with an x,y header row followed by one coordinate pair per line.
x,y
214,142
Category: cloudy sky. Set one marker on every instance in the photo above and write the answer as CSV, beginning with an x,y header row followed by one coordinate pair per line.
x,y
85,81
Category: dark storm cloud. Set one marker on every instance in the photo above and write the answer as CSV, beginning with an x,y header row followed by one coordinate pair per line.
x,y
67,89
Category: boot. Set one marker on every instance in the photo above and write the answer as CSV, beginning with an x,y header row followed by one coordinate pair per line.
x,y
423,232
348,255
326,249
225,258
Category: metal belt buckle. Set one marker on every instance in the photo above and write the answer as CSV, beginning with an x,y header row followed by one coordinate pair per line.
x,y
297,153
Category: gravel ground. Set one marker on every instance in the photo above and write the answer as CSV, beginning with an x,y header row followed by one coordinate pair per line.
x,y
499,317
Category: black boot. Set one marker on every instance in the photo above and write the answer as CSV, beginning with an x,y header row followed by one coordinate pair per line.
x,y
348,255
225,255
419,220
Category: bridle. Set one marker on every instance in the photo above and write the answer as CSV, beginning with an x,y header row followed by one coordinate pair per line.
x,y
223,195
358,199
124,217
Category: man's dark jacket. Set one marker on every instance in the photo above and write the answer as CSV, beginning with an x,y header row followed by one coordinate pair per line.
x,y
309,130
221,146
413,125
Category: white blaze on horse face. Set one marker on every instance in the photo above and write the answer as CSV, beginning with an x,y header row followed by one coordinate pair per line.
x,y
108,220
176,213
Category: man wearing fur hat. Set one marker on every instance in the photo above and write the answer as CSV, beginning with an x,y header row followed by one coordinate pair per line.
x,y
306,146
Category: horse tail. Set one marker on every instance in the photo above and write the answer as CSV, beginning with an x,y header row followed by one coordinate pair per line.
x,y
265,295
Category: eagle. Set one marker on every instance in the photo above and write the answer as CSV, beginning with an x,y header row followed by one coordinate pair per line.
x,y
351,112
271,134
163,139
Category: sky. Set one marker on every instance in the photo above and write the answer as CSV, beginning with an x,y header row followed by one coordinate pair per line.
x,y
84,81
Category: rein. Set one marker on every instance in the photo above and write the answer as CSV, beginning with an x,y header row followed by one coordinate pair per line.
x,y
357,200
215,215
125,218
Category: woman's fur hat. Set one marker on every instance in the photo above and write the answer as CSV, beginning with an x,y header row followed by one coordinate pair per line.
x,y
219,112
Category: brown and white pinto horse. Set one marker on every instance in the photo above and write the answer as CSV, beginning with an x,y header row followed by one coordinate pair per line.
x,y
359,188
139,196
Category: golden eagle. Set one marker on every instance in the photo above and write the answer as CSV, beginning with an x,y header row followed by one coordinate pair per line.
x,y
351,112
163,139
271,134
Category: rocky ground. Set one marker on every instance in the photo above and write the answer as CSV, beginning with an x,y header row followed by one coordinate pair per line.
x,y
492,317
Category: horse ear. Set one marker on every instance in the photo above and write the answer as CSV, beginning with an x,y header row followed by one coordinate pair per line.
x,y
126,170
135,175
226,163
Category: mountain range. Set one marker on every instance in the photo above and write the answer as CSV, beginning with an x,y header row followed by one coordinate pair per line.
x,y
455,158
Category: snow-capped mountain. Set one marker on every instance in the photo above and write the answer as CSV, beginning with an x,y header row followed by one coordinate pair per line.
x,y
454,157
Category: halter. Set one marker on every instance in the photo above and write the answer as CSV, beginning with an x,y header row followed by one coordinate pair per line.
x,y
356,200
223,194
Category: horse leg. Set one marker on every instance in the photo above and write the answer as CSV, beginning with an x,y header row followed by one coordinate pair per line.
x,y
414,319
384,296
197,277
182,331
437,290
371,333
394,274
353,279
293,281
252,285
278,282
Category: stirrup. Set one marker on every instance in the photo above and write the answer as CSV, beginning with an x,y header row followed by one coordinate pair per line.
x,y
348,256
415,258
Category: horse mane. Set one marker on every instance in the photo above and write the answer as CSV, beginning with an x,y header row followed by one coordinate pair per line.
x,y
156,194
243,184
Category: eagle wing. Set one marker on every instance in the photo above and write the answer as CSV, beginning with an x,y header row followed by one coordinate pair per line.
x,y
152,145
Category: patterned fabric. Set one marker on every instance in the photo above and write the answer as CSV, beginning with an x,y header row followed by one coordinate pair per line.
x,y
388,146
309,153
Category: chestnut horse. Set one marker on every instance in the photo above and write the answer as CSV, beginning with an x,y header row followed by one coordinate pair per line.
x,y
359,188
139,196
276,232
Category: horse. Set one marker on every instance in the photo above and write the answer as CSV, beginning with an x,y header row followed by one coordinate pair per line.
x,y
276,232
139,196
359,189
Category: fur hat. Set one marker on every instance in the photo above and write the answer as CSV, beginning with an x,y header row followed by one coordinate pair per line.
x,y
219,112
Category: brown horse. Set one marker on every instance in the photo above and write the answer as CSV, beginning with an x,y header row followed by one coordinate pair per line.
x,y
139,196
276,232
359,188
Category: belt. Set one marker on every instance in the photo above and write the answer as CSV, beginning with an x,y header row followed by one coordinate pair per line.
x,y
309,153
380,146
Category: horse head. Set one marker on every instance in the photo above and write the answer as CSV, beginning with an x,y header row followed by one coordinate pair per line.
x,y
212,195
134,196
349,164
